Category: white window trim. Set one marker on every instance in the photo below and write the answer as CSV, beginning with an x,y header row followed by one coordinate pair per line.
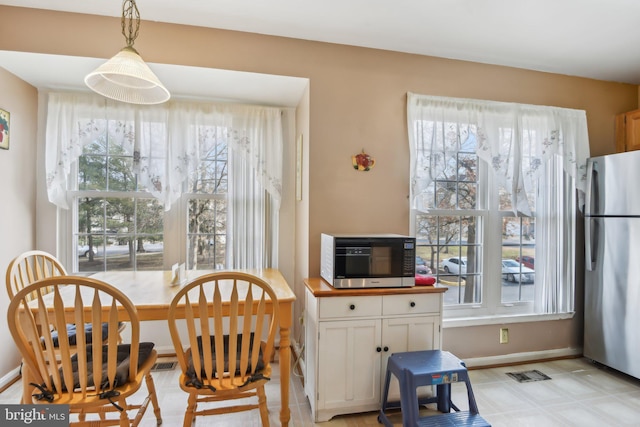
x,y
461,322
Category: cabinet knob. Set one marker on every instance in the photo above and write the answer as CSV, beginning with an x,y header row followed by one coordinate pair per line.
x,y
412,304
378,349
352,307
386,348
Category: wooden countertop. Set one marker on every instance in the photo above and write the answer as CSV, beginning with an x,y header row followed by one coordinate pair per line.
x,y
320,288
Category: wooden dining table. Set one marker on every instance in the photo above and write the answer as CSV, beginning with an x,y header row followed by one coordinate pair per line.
x,y
152,291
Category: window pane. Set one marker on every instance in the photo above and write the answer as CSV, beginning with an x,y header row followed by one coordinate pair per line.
x,y
97,146
467,196
120,215
207,234
90,215
452,249
517,263
119,234
467,167
149,216
121,134
121,177
211,175
92,173
210,178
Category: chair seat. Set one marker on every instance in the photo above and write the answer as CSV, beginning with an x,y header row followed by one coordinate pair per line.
x,y
222,387
122,369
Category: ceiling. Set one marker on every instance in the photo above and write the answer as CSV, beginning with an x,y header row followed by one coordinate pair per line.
x,y
588,38
68,72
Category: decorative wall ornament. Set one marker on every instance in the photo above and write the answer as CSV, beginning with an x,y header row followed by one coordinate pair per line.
x,y
4,129
363,161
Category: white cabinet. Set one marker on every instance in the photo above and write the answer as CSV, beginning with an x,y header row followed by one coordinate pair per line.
x,y
348,369
349,338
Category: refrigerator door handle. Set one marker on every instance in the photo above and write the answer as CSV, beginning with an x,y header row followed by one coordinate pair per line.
x,y
592,191
591,243
591,225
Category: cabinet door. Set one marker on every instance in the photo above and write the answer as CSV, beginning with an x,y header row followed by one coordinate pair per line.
x,y
407,334
633,130
348,363
628,131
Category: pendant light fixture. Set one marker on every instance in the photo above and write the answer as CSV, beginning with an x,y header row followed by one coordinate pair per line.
x,y
126,77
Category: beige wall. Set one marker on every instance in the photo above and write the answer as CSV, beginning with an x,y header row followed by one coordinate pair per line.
x,y
17,193
356,100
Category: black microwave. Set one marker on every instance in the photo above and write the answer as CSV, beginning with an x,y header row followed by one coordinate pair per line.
x,y
368,261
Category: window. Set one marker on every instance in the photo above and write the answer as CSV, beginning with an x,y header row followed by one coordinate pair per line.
x,y
486,178
207,191
117,224
148,187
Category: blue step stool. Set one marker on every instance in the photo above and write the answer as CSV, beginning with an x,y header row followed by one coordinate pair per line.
x,y
424,368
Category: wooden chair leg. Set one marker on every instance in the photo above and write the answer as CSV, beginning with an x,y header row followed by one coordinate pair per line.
x,y
151,387
262,403
189,413
124,416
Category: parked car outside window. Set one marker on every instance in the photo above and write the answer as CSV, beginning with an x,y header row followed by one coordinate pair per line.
x,y
423,269
513,271
455,265
527,261
84,250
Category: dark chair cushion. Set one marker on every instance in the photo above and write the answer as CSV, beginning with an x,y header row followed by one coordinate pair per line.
x,y
122,371
72,330
260,366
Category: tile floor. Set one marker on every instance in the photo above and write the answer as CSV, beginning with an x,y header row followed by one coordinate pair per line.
x,y
578,394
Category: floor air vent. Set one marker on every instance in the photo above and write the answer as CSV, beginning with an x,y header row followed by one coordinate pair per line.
x,y
164,366
528,376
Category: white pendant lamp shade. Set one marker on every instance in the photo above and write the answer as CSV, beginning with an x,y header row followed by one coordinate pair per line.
x,y
127,78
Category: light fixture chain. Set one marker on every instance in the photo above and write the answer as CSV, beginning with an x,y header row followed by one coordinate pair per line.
x,y
130,19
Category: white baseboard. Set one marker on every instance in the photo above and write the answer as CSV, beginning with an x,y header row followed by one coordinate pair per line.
x,y
165,350
473,362
517,358
9,378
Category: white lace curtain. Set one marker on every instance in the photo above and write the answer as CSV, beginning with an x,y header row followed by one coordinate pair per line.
x,y
525,147
163,140
514,139
166,143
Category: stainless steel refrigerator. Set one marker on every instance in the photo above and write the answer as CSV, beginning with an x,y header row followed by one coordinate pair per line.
x,y
612,262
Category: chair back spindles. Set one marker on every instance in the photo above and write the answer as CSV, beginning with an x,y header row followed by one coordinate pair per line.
x,y
79,369
36,265
231,320
29,267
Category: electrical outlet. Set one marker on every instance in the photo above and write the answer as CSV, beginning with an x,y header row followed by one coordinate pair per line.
x,y
504,335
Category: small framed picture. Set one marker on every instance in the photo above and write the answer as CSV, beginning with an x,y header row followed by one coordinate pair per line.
x,y
4,129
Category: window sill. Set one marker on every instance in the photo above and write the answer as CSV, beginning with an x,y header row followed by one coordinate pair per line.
x,y
503,319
